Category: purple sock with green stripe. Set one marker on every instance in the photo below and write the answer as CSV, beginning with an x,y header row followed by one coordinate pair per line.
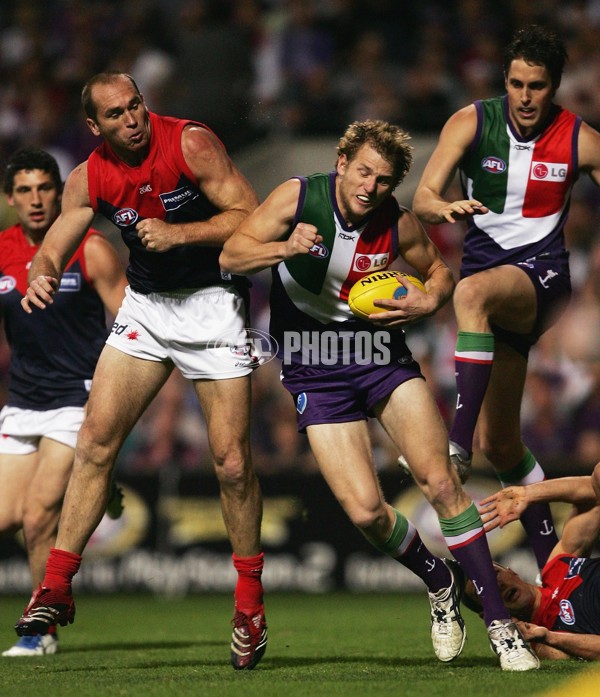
x,y
466,539
473,358
537,518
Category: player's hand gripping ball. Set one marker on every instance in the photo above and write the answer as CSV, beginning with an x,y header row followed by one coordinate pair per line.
x,y
375,286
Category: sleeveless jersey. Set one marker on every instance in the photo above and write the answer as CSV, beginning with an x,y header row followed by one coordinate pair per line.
x,y
163,187
526,184
570,595
53,351
311,290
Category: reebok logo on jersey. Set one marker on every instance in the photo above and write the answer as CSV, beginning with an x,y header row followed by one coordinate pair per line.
x,y
370,262
549,171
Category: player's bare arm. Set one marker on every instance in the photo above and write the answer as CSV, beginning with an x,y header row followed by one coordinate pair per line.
x,y
417,249
105,271
586,646
60,242
261,241
429,203
222,183
506,505
589,152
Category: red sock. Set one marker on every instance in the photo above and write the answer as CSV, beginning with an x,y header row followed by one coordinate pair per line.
x,y
60,569
248,590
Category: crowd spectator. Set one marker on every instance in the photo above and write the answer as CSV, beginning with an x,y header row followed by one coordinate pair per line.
x,y
255,69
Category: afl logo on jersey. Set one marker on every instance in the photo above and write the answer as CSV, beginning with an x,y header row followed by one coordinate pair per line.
x,y
493,165
566,612
125,217
7,283
319,250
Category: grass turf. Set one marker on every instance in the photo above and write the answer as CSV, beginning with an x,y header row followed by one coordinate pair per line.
x,y
319,645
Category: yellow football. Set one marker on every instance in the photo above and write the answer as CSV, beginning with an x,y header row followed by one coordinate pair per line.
x,y
375,286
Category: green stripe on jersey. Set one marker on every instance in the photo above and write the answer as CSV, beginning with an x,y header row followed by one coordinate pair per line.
x,y
306,269
483,165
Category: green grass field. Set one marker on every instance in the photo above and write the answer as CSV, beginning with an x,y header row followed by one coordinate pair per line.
x,y
330,645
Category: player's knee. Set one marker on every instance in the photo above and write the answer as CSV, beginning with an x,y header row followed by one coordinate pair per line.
x,y
366,517
441,489
233,467
40,523
499,450
468,295
94,450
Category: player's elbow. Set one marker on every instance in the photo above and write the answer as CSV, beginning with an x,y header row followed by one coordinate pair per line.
x,y
227,260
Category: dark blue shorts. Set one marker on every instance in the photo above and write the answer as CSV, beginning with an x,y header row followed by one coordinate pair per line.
x,y
552,282
347,390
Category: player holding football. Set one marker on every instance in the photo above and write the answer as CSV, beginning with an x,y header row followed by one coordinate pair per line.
x,y
518,157
320,234
53,356
562,616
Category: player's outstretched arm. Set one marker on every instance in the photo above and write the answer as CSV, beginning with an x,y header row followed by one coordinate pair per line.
x,y
60,242
429,202
561,644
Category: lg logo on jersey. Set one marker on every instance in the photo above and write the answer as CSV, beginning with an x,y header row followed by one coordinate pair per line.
x,y
370,262
549,171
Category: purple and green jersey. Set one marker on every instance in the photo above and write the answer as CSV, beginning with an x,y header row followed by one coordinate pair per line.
x,y
526,184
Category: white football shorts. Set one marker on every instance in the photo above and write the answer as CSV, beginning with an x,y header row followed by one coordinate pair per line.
x,y
22,429
203,332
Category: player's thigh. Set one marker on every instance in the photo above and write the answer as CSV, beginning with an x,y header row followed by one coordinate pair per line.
x,y
226,407
49,482
16,472
413,421
122,389
499,424
505,294
344,456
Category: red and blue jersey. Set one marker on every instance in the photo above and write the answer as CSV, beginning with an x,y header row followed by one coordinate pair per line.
x,y
53,351
163,187
570,595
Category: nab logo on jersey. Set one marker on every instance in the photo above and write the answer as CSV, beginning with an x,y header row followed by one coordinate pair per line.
x,y
70,283
125,217
549,171
7,283
575,567
493,165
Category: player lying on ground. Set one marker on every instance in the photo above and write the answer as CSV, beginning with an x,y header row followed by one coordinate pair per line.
x,y
562,617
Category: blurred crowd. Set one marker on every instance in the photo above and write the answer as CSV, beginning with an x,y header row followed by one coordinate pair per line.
x,y
256,69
